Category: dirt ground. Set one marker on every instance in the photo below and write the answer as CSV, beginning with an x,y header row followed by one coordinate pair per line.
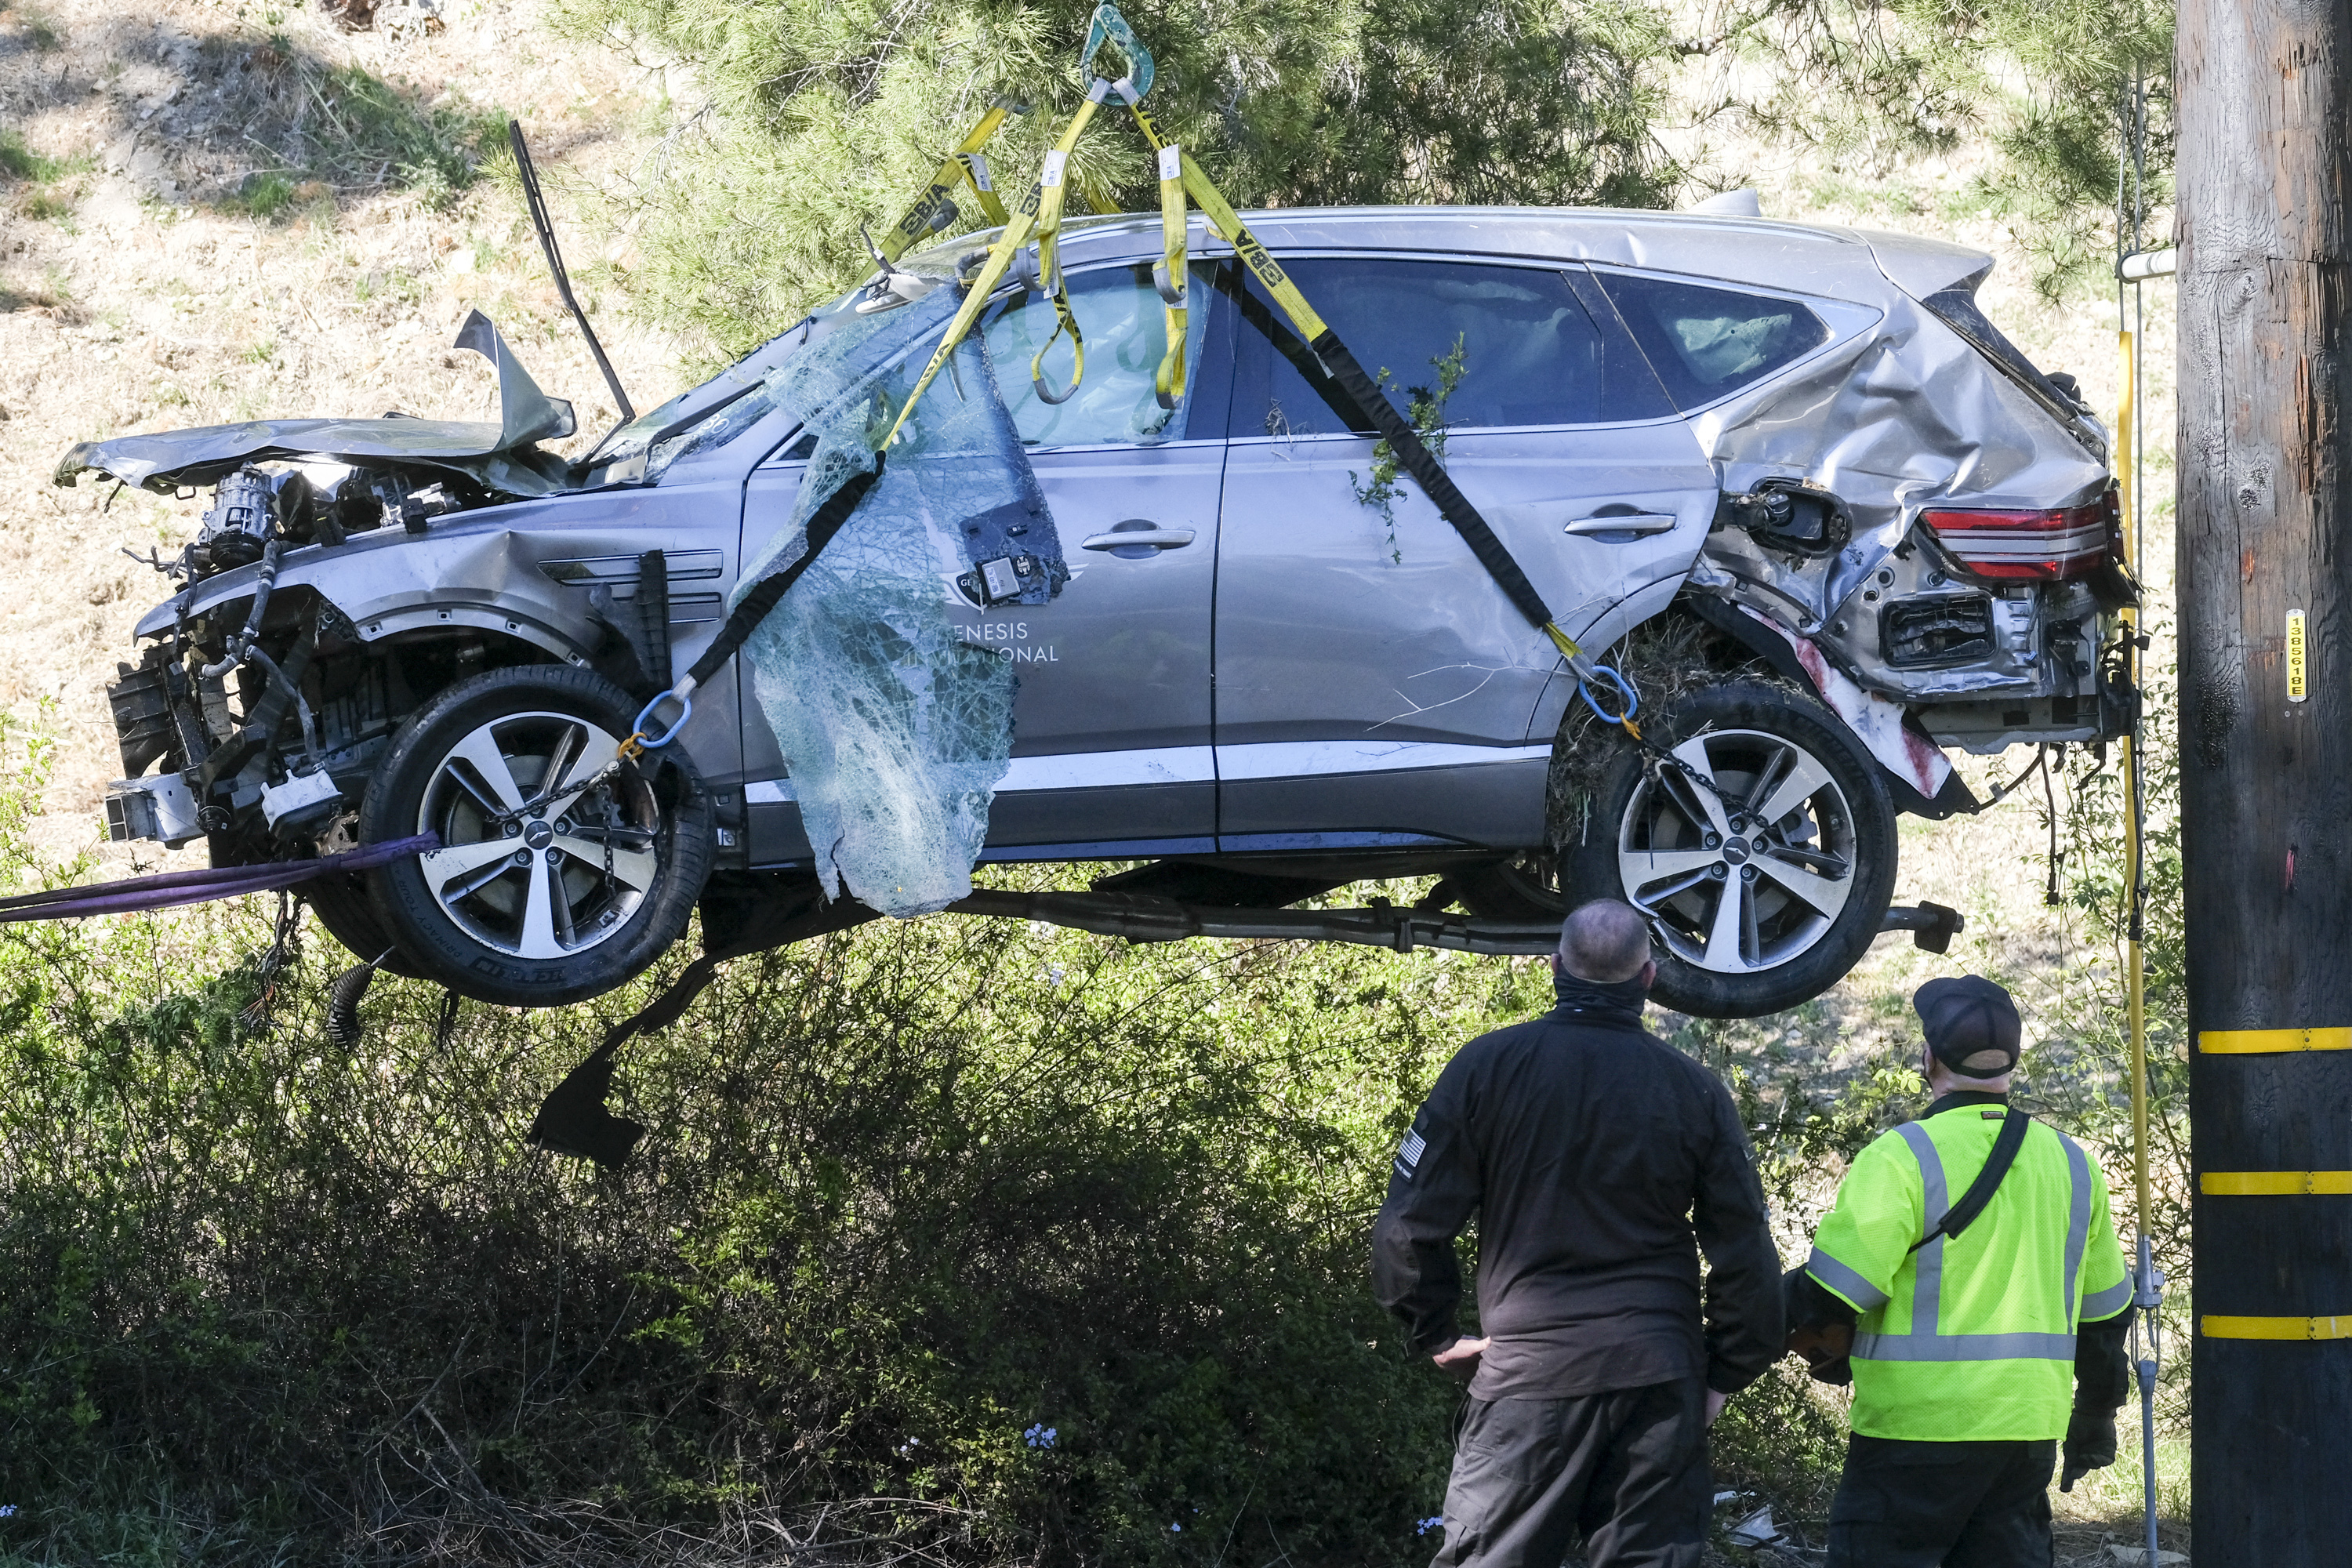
x,y
140,291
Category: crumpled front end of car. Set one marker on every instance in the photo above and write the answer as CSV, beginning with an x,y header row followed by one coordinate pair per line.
x,y
243,720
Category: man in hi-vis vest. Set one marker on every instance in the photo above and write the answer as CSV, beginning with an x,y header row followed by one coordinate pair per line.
x,y
1971,1260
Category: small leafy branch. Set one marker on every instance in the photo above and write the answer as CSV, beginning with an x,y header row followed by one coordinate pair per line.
x,y
1427,410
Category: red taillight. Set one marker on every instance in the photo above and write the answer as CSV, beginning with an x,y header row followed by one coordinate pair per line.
x,y
2048,546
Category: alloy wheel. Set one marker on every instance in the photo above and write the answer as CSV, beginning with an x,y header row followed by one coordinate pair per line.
x,y
1743,857
544,852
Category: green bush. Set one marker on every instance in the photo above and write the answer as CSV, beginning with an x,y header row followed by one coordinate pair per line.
x,y
824,115
909,1193
268,195
18,162
914,1196
368,130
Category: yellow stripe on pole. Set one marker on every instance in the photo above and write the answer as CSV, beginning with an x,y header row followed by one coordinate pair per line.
x,y
2271,1042
2272,1183
2214,1326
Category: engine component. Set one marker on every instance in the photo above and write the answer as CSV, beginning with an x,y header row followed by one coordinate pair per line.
x,y
1782,514
154,718
300,798
141,701
1937,629
160,808
242,521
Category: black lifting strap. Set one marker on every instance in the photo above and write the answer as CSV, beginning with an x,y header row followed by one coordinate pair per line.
x,y
574,1120
1961,1215
1418,460
769,591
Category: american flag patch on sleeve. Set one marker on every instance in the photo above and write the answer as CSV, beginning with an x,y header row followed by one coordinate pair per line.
x,y
1409,1153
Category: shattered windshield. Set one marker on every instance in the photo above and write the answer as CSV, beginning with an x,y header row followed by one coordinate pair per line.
x,y
714,412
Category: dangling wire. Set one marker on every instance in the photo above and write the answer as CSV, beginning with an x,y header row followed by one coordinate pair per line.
x,y
2050,815
2040,765
272,961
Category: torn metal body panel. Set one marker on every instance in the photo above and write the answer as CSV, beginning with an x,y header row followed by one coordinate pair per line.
x,y
1210,639
501,458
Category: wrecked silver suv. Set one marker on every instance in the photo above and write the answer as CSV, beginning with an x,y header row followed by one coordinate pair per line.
x,y
1826,520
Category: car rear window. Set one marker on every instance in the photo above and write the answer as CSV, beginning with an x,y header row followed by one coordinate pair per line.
x,y
1528,351
1708,342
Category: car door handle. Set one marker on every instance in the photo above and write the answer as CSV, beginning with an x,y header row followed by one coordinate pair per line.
x,y
1626,522
1157,538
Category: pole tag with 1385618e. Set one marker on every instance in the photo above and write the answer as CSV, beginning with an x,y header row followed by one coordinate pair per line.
x,y
2296,658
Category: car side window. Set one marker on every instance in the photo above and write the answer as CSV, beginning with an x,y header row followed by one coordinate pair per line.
x,y
1515,342
1120,313
1707,343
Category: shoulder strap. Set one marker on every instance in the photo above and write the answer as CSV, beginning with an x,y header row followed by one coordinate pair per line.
x,y
1959,1218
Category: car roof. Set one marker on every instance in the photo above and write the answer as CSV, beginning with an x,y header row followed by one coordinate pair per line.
x,y
1813,258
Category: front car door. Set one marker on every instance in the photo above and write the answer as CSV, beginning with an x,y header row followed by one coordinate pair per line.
x,y
1111,724
1374,686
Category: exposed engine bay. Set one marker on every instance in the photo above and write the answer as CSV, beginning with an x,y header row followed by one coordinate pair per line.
x,y
249,720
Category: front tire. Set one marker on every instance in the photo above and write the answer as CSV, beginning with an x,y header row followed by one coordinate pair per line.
x,y
556,880
341,903
1765,862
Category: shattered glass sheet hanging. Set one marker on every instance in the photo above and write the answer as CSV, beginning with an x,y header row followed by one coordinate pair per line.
x,y
895,729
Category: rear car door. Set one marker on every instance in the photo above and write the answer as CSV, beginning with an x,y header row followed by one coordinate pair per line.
x,y
1373,685
1111,724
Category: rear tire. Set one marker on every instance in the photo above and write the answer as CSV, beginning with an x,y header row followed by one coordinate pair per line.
x,y
1751,914
539,895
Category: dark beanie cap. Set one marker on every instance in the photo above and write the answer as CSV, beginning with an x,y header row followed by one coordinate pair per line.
x,y
1964,1017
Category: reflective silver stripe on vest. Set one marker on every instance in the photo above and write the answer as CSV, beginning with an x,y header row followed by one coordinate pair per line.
x,y
1928,1285
1964,1347
2078,1216
1844,1281
2106,1303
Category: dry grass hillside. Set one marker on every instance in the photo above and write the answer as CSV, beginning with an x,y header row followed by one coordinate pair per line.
x,y
216,212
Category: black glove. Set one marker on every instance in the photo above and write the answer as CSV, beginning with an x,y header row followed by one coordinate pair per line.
x,y
1820,1328
2090,1446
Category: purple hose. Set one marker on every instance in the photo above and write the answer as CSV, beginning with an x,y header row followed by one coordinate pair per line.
x,y
170,888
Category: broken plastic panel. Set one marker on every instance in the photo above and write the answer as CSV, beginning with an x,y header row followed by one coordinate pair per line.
x,y
896,730
503,457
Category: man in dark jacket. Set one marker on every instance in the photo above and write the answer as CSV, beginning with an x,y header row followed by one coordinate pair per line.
x,y
1598,1161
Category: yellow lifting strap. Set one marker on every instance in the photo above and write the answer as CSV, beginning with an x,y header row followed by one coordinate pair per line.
x,y
1019,226
968,164
1180,176
1053,196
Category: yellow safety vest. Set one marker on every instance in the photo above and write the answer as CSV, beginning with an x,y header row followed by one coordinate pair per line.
x,y
1969,1339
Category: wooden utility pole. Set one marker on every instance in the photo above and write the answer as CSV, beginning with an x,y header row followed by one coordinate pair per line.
x,y
2264,171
